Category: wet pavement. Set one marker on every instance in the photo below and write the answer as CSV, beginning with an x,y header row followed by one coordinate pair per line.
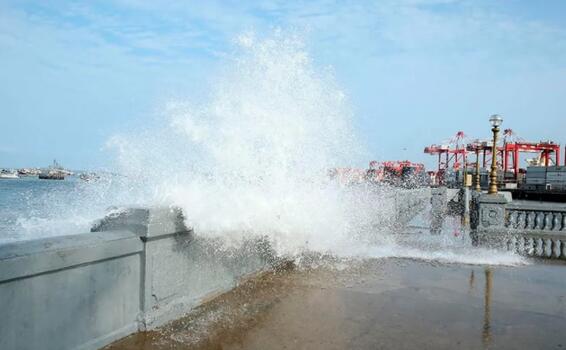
x,y
380,304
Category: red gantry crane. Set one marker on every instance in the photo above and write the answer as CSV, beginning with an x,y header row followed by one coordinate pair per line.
x,y
452,154
514,145
508,153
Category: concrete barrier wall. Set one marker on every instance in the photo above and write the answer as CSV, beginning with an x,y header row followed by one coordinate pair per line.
x,y
138,270
69,292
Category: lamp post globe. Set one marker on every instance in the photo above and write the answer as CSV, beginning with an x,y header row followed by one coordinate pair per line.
x,y
495,120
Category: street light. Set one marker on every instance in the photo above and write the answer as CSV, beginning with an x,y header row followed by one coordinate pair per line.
x,y
495,121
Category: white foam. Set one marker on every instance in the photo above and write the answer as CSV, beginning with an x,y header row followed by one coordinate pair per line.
x,y
252,160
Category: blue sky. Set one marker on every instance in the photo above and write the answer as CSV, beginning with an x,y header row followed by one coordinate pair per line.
x,y
72,74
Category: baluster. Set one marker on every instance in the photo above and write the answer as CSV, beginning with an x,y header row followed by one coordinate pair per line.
x,y
556,248
555,222
517,219
549,245
563,249
563,222
514,219
539,246
509,219
527,245
520,220
538,220
547,224
528,220
547,253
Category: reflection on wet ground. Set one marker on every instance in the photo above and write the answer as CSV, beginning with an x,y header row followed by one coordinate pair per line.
x,y
380,304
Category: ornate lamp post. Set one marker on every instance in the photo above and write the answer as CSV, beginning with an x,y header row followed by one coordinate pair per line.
x,y
495,121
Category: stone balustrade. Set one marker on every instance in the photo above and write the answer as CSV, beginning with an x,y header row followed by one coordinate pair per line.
x,y
518,218
530,228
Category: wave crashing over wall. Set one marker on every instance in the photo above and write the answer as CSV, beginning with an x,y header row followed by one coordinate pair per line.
x,y
252,159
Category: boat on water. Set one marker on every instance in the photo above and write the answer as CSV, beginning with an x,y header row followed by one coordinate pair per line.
x,y
51,175
6,174
54,172
24,172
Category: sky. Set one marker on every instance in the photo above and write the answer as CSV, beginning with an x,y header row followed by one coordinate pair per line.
x,y
72,74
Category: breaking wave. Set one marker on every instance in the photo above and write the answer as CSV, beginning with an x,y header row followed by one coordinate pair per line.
x,y
252,159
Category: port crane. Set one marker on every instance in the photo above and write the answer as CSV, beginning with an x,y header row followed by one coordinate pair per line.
x,y
454,153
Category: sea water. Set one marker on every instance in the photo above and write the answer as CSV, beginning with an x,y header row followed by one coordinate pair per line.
x,y
35,208
24,203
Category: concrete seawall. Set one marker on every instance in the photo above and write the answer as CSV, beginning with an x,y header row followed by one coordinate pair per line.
x,y
137,270
141,269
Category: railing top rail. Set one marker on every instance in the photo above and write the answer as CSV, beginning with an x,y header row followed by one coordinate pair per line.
x,y
554,207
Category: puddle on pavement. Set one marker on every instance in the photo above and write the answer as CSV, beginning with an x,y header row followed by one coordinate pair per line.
x,y
380,303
